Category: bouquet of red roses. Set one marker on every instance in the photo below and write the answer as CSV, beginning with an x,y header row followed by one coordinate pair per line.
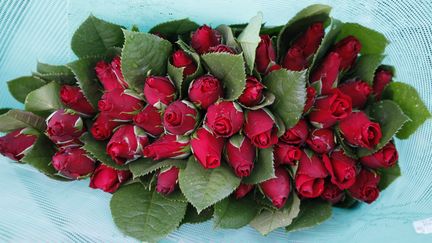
x,y
245,124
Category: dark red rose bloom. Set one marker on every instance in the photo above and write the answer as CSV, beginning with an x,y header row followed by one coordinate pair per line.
x,y
224,118
72,97
120,104
181,59
365,187
253,93
64,126
294,59
222,48
103,126
332,193
207,148
310,176
327,72
180,118
310,98
240,154
126,144
159,91
383,158
285,154
310,40
73,163
150,119
381,79
321,140
341,168
297,134
265,54
167,180
358,130
277,189
359,92
243,190
348,49
330,109
108,179
110,75
205,91
168,146
16,144
204,38
260,128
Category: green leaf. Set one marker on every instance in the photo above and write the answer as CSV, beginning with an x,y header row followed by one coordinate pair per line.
x,y
312,213
365,68
205,187
20,87
144,166
4,110
192,216
347,202
388,175
172,29
269,99
348,150
44,100
228,36
289,88
143,53
271,30
145,215
232,213
16,119
263,167
372,41
176,75
411,104
59,73
249,39
96,36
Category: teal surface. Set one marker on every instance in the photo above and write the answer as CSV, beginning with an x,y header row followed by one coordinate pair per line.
x,y
34,208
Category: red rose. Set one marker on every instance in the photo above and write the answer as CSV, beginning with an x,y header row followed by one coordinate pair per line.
x,y
297,134
167,180
240,154
342,169
103,126
381,79
294,59
64,126
285,154
110,75
327,72
310,176
265,54
348,49
180,117
72,97
365,187
150,120
207,148
330,109
273,68
321,140
73,163
126,144
168,146
332,193
16,144
383,158
222,48
358,91
120,104
277,189
108,179
260,128
205,91
253,93
181,59
358,130
310,98
224,118
204,38
242,190
310,40
159,91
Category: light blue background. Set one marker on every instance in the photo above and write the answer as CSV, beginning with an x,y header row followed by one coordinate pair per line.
x,y
35,208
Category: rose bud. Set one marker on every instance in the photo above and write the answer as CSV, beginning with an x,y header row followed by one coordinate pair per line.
x,y
285,154
327,72
73,163
207,148
110,75
348,49
120,104
310,40
168,146
294,59
332,193
383,158
365,187
108,179
260,128
159,91
310,98
330,109
64,126
309,179
296,135
150,120
359,92
204,38
103,126
222,48
253,93
381,79
358,130
181,59
341,168
240,154
72,97
224,118
265,54
126,144
205,91
242,190
167,180
16,144
277,189
321,140
180,118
